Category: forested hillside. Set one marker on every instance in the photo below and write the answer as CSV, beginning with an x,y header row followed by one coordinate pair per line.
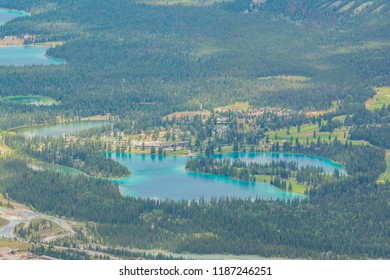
x,y
128,59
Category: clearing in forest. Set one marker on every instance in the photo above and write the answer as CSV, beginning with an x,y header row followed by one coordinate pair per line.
x,y
385,176
238,106
106,117
287,78
382,96
5,243
310,132
39,229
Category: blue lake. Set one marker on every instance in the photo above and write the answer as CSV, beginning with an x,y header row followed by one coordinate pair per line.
x,y
166,178
7,15
70,128
26,55
22,55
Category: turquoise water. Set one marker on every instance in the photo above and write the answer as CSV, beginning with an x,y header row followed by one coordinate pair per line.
x,y
57,130
7,15
166,178
30,100
22,55
26,55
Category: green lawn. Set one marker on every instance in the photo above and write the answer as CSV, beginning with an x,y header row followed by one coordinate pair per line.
x,y
381,97
42,228
296,187
307,131
5,243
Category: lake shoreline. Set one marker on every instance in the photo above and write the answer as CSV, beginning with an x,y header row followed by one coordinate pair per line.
x,y
15,11
145,153
165,177
27,55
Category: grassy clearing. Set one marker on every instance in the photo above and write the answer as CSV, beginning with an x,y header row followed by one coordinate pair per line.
x,y
386,175
382,96
340,118
307,132
105,117
238,106
51,44
182,152
5,243
11,41
287,78
227,149
38,229
332,109
296,187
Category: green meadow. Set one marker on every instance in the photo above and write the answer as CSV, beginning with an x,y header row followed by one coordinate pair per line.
x,y
381,97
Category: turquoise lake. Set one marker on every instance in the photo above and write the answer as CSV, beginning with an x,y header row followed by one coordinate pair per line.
x,y
7,15
57,130
23,55
26,55
160,177
30,100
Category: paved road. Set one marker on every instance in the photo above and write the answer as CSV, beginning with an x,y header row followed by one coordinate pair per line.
x,y
18,216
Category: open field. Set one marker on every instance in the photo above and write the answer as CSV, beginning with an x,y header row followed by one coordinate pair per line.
x,y
333,108
296,187
238,106
105,117
11,41
287,78
39,229
5,243
15,250
307,132
52,44
386,175
382,96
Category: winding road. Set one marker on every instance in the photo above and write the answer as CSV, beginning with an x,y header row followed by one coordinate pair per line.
x,y
18,216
